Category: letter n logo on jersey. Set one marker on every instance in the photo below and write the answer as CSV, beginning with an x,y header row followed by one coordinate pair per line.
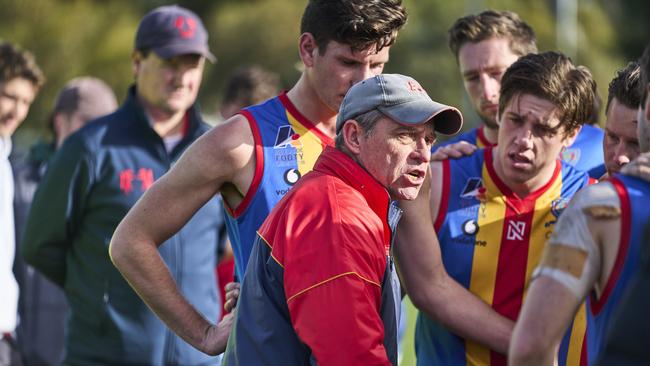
x,y
516,230
287,137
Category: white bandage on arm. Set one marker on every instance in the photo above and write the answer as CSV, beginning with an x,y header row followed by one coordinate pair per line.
x,y
571,256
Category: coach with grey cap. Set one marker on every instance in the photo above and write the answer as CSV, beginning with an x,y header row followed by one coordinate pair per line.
x,y
320,281
98,175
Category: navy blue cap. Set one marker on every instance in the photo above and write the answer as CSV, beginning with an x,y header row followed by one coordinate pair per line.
x,y
402,99
172,31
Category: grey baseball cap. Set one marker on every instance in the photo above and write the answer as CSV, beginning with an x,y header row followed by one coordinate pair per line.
x,y
173,31
400,98
88,96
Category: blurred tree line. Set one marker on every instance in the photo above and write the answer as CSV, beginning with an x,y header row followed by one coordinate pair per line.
x,y
93,37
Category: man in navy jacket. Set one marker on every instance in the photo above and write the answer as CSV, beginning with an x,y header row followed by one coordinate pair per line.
x,y
98,175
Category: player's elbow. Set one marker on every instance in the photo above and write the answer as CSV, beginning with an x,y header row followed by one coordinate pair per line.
x,y
529,348
428,297
118,249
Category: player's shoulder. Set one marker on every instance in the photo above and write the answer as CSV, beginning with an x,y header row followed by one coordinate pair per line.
x,y
600,194
232,133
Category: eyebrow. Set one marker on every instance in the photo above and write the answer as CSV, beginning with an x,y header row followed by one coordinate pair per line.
x,y
488,69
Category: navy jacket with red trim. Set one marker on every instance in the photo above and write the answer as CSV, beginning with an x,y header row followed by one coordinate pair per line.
x,y
91,182
320,285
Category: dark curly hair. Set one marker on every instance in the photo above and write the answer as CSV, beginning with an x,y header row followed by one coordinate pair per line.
x,y
359,23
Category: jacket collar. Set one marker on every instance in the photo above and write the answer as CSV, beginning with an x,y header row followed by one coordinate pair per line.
x,y
133,105
336,163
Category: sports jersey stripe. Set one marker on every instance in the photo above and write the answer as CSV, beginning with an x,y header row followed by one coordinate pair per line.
x,y
512,259
444,197
484,267
304,121
309,144
481,140
542,228
624,242
575,352
259,168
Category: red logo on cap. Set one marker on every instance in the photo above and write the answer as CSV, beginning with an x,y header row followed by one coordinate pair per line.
x,y
186,26
415,86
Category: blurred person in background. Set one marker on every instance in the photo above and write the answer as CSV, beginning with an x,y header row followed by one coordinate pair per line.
x,y
98,174
246,86
42,306
20,81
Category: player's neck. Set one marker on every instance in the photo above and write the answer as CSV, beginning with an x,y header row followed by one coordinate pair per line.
x,y
164,123
308,102
491,134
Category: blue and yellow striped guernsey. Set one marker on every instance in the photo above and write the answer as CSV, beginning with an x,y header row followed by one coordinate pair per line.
x,y
286,147
491,241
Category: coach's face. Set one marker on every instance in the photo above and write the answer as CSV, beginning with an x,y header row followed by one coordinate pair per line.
x,y
396,155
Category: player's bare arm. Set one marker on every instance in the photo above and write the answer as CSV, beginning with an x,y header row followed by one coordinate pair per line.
x,y
428,284
578,258
223,160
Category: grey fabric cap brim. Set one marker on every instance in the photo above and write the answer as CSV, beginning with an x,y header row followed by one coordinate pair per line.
x,y
446,120
171,50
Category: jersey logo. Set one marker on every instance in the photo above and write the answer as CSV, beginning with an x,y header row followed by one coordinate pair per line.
x,y
571,156
470,227
558,206
516,230
472,188
291,176
287,137
127,176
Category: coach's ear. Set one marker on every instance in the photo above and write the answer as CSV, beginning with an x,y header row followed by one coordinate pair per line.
x,y
352,133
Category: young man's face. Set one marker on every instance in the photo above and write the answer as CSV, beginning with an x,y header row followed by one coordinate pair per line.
x,y
397,156
16,96
482,65
334,71
168,85
529,140
621,144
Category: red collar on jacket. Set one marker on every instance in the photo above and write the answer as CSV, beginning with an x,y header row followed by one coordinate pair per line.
x,y
336,163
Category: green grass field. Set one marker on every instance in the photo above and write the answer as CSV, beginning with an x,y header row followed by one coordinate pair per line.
x,y
408,347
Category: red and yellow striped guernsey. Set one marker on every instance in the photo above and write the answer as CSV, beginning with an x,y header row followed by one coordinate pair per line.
x,y
491,241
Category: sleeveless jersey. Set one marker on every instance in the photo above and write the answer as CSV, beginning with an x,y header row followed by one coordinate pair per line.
x,y
585,154
491,241
635,212
286,147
